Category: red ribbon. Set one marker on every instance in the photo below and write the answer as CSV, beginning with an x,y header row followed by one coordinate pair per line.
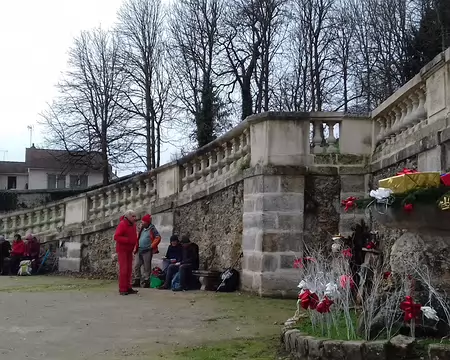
x,y
298,264
407,171
324,305
308,300
349,203
411,310
370,245
347,281
408,207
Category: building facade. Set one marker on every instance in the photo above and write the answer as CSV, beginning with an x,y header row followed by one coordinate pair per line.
x,y
52,170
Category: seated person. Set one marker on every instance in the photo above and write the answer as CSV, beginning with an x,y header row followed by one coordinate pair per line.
x,y
189,262
17,254
32,250
5,248
174,252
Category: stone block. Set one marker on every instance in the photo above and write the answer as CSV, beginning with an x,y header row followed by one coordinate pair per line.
x,y
73,249
290,221
353,350
249,204
353,183
253,261
271,184
292,184
246,278
333,350
347,221
374,350
260,220
315,348
163,219
270,263
402,347
287,261
430,160
249,237
282,241
69,264
301,346
254,185
281,283
280,202
289,339
438,352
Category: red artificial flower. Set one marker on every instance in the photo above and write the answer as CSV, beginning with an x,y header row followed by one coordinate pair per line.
x,y
347,253
298,264
407,171
387,275
324,306
370,245
411,310
349,203
346,281
308,300
408,207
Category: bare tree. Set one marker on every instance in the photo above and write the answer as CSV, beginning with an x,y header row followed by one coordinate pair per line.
x,y
194,53
141,30
88,114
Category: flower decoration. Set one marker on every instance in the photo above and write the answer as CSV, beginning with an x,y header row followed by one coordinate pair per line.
x,y
407,171
298,264
429,313
324,306
411,310
408,207
349,203
346,281
308,300
387,275
370,245
331,289
347,253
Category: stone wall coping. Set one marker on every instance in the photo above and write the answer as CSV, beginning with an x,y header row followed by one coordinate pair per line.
x,y
303,116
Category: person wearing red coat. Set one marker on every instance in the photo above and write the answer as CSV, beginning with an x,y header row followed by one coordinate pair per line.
x,y
126,241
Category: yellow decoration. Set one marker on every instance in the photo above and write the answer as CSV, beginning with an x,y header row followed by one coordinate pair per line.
x,y
444,203
403,183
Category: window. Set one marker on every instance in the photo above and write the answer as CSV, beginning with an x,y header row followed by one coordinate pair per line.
x,y
56,181
78,181
12,182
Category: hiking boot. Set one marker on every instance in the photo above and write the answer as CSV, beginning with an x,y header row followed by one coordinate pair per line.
x,y
146,285
123,293
132,291
163,287
136,283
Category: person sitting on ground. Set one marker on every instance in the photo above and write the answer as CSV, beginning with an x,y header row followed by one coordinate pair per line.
x,y
189,262
174,252
149,240
17,253
5,248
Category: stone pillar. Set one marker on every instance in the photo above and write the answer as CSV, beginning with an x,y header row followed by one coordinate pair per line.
x,y
274,203
70,256
272,233
163,222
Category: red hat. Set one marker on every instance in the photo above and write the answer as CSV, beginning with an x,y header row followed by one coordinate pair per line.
x,y
147,218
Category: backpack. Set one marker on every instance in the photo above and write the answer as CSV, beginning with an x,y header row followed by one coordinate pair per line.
x,y
24,268
176,285
230,281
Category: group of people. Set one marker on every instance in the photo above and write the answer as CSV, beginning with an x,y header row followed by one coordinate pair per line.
x,y
11,255
181,257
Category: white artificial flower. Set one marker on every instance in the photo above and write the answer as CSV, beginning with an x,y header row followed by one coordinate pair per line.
x,y
302,284
331,289
336,247
429,313
381,194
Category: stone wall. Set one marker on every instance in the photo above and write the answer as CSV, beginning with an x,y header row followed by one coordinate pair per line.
x,y
215,224
303,347
15,200
322,208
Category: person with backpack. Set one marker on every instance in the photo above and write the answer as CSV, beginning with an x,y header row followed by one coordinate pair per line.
x,y
148,242
126,242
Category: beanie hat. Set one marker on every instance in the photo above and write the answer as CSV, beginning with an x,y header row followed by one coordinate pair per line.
x,y
174,238
185,239
147,218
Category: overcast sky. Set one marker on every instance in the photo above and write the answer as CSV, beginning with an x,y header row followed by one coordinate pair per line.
x,y
35,36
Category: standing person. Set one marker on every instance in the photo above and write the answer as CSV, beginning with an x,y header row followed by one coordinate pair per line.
x,y
149,240
126,241
5,248
174,252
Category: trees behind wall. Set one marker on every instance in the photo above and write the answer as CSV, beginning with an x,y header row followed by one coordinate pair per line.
x,y
193,68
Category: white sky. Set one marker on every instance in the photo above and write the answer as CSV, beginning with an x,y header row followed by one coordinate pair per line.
x,y
35,36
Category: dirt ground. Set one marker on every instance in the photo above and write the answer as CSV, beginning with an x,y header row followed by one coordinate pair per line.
x,y
55,318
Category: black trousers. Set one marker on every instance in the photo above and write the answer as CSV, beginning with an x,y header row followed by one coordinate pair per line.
x,y
185,274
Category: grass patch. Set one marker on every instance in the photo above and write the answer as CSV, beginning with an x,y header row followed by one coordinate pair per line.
x,y
337,331
49,284
239,349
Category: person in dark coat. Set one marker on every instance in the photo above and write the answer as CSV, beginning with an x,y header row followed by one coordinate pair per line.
x,y
174,252
190,261
126,243
5,248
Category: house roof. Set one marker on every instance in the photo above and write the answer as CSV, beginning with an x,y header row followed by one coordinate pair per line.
x,y
62,160
13,167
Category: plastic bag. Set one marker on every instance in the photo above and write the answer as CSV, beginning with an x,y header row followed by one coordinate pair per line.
x,y
155,282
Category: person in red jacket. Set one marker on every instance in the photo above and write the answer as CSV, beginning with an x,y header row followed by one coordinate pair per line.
x,y
17,253
126,241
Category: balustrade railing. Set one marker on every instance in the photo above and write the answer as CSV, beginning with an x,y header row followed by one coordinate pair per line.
x,y
403,113
218,159
324,136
